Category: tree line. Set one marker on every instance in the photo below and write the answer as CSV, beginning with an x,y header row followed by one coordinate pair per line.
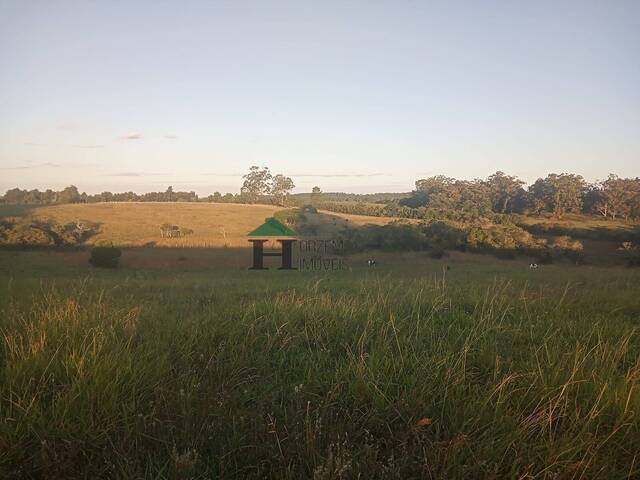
x,y
556,194
500,193
71,194
259,186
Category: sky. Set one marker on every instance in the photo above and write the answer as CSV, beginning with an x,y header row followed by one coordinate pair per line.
x,y
350,96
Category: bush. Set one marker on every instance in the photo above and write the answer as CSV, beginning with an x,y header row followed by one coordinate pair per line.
x,y
44,233
633,261
567,244
105,256
291,217
309,209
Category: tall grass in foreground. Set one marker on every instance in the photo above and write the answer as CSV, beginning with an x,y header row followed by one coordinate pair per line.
x,y
376,379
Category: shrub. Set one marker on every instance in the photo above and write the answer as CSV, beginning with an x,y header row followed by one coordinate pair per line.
x,y
44,233
105,256
443,235
174,231
567,244
633,261
290,217
309,209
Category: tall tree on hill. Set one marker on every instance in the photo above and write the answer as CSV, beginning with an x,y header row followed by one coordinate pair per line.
x,y
69,195
594,200
315,194
256,183
281,186
463,195
558,194
504,190
619,197
15,196
429,191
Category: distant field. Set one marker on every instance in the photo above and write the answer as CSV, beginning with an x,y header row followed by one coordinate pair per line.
x,y
226,225
346,219
137,224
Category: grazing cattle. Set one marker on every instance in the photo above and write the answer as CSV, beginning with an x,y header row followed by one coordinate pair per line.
x,y
533,266
371,263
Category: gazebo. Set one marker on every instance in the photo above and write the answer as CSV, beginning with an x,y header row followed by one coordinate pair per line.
x,y
270,229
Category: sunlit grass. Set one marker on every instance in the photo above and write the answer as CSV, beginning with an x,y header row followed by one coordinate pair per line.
x,y
452,374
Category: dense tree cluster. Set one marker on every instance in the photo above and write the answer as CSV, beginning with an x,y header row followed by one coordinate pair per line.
x,y
505,239
260,183
556,194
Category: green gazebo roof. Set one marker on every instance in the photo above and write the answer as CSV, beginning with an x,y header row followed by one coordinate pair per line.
x,y
273,228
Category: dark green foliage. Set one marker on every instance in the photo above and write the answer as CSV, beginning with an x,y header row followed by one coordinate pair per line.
x,y
105,256
44,233
318,197
308,209
633,260
440,235
632,233
558,194
290,217
71,195
394,236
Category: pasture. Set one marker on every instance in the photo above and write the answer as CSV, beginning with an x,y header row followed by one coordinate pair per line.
x,y
183,364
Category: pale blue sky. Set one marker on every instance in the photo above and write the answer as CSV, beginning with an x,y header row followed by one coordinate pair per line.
x,y
351,96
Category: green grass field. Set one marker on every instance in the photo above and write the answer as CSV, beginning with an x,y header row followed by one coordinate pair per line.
x,y
463,367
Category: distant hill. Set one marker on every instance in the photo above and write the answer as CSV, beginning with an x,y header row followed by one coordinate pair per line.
x,y
305,198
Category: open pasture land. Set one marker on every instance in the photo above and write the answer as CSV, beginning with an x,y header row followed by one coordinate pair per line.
x,y
181,363
138,224
465,367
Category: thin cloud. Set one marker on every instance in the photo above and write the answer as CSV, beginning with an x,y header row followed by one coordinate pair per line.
x,y
132,136
170,136
34,144
130,174
338,175
224,174
308,175
27,167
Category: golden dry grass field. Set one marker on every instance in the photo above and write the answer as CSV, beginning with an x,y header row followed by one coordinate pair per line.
x,y
138,224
